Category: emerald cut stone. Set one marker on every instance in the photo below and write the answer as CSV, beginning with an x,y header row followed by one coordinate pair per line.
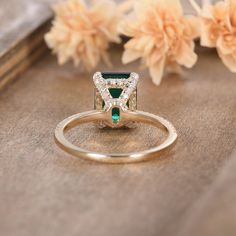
x,y
115,114
113,75
115,92
112,91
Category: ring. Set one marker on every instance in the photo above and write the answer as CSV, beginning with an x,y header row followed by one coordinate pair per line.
x,y
115,107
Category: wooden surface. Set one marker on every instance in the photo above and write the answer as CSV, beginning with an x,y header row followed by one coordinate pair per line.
x,y
190,191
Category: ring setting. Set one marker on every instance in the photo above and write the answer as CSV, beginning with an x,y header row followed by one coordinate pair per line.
x,y
115,106
115,93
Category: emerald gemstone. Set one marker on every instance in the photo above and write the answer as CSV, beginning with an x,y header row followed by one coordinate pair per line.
x,y
115,114
113,75
115,92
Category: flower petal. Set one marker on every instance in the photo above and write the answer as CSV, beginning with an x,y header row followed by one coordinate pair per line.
x,y
173,6
126,6
206,39
186,55
195,25
223,47
82,32
141,7
130,55
129,26
228,60
156,71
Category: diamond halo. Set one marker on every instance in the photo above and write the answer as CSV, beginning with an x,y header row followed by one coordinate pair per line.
x,y
127,99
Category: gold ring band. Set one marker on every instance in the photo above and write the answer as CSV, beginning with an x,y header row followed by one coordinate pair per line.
x,y
127,116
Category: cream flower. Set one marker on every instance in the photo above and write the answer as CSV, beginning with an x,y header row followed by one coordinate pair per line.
x,y
218,29
83,32
160,35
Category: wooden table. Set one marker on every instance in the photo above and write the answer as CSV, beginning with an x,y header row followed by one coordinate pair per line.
x,y
44,191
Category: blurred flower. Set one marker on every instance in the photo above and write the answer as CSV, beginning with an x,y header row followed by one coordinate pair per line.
x,y
161,36
83,32
218,29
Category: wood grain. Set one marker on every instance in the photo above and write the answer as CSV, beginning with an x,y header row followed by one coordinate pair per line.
x,y
214,213
44,191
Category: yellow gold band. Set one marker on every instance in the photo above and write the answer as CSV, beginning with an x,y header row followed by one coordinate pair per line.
x,y
127,116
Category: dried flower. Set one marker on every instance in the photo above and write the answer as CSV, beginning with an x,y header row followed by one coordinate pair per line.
x,y
218,30
83,32
161,36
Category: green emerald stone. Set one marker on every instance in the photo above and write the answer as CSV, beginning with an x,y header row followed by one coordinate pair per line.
x,y
115,92
112,75
115,114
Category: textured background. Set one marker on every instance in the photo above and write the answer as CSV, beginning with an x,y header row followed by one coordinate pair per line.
x,y
44,191
190,191
18,18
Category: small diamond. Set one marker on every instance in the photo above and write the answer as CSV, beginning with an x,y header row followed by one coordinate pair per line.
x,y
121,104
113,82
97,81
97,75
106,95
126,96
135,76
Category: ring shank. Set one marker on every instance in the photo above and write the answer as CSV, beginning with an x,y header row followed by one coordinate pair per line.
x,y
91,116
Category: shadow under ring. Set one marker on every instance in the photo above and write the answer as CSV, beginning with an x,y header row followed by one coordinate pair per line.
x,y
131,157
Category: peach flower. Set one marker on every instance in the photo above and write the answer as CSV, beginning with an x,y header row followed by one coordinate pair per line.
x,y
218,30
161,36
84,32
